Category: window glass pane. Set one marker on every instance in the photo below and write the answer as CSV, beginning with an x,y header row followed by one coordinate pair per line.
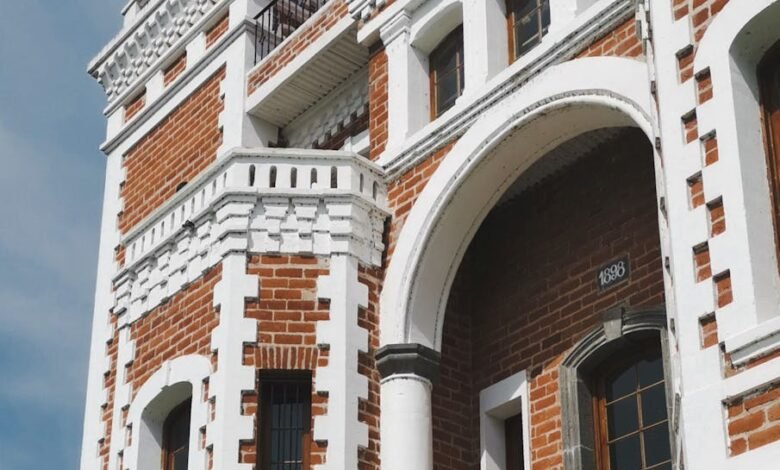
x,y
545,16
656,444
650,371
624,454
180,462
622,418
653,405
446,59
446,91
622,384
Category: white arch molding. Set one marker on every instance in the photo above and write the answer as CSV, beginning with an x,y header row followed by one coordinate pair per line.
x,y
165,389
561,103
731,48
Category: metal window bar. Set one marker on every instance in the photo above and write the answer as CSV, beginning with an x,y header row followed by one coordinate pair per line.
x,y
539,16
278,20
287,403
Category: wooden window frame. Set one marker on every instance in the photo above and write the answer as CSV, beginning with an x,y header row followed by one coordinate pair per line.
x,y
168,454
769,102
647,348
451,44
269,379
511,21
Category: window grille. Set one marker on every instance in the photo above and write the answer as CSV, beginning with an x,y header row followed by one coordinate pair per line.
x,y
285,421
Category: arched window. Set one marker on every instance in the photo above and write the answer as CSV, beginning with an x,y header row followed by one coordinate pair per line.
x,y
447,72
630,406
614,395
176,437
769,82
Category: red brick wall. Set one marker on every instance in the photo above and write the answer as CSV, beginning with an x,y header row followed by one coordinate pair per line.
x,y
754,421
334,11
177,328
135,105
368,411
377,102
620,42
175,151
403,192
526,291
175,69
217,31
287,313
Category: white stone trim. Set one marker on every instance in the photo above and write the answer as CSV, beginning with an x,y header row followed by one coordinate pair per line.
x,y
419,274
340,427
191,369
501,401
99,362
731,49
225,433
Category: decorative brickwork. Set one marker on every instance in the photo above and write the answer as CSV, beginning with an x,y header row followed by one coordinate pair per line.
x,y
287,313
701,262
217,31
377,99
306,35
173,153
754,421
526,292
176,68
109,385
620,42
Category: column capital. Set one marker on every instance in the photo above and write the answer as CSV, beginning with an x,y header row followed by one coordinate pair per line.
x,y
397,25
416,359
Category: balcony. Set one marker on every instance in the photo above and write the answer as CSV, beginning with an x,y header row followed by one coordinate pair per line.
x,y
304,49
277,21
273,201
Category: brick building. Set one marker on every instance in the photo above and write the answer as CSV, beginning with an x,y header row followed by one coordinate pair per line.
x,y
439,234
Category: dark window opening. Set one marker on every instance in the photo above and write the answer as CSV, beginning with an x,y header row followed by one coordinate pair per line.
x,y
176,437
447,72
632,423
285,421
513,429
769,81
528,22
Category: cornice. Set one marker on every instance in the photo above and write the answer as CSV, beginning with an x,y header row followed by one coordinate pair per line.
x,y
140,46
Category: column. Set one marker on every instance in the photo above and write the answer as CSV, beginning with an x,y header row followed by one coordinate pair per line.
x,y
408,372
408,93
486,46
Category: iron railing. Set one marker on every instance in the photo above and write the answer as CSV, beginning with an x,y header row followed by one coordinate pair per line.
x,y
277,21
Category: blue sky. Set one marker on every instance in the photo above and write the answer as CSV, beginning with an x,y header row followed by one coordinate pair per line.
x,y
51,187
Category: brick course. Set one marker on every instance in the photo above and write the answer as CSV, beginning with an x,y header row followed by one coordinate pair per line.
x,y
175,69
217,31
173,153
526,291
754,421
287,313
620,42
377,102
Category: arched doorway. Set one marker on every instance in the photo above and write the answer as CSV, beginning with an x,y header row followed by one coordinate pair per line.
x,y
502,157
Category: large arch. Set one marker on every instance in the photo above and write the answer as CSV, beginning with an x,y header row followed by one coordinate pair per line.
x,y
561,103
